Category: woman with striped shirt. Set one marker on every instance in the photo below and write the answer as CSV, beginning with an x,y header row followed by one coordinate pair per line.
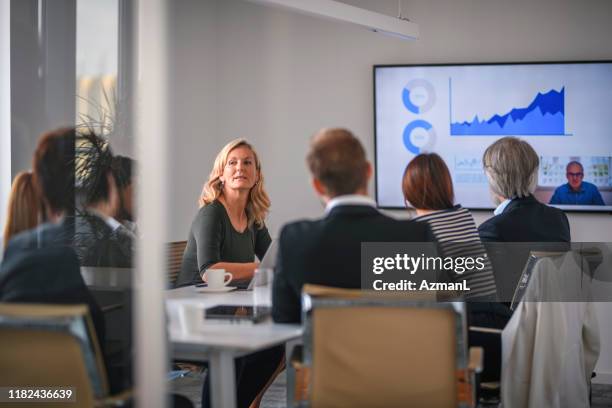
x,y
428,187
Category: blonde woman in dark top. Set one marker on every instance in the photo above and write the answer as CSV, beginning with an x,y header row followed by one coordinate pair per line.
x,y
229,229
227,232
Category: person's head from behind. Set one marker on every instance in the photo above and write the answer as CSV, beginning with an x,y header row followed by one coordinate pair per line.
x,y
237,172
122,168
427,183
54,172
511,166
95,175
338,164
24,206
575,174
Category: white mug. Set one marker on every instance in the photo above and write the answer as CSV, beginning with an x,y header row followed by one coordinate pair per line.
x,y
216,278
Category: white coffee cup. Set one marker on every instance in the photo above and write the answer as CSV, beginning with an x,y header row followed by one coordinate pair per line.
x,y
216,278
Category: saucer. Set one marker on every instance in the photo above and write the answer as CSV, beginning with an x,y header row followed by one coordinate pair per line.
x,y
216,290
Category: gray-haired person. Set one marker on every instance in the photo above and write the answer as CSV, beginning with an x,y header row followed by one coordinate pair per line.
x,y
511,166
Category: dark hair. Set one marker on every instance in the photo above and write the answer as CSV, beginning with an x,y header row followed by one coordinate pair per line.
x,y
427,183
338,160
94,165
54,169
121,167
574,162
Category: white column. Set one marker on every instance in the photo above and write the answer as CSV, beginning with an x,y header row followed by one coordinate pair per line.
x,y
151,126
5,109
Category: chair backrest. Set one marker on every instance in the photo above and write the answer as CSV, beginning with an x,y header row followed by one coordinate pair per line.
x,y
175,260
368,350
51,346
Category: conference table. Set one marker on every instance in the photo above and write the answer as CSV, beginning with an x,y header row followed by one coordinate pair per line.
x,y
194,338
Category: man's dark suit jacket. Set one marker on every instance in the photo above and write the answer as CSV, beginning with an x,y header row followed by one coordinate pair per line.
x,y
328,252
525,225
526,220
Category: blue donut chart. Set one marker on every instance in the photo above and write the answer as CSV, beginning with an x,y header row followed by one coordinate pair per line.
x,y
407,102
430,95
418,124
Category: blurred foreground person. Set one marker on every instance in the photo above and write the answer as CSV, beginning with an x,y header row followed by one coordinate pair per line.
x,y
39,265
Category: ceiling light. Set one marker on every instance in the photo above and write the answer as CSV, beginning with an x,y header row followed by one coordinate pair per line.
x,y
381,23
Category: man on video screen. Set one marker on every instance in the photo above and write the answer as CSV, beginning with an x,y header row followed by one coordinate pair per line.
x,y
576,191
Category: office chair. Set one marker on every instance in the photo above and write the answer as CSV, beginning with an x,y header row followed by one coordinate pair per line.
x,y
175,260
369,350
53,346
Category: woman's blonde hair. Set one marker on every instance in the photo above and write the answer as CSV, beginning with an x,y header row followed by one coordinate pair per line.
x,y
258,202
24,206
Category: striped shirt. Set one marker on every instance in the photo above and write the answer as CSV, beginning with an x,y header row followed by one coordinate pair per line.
x,y
457,235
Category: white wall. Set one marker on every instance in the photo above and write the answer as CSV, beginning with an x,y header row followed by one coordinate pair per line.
x,y
275,77
193,107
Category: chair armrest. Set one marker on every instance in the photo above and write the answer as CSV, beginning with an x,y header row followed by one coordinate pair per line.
x,y
111,307
475,360
490,330
117,400
490,386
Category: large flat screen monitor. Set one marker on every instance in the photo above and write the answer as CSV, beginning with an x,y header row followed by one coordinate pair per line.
x,y
564,110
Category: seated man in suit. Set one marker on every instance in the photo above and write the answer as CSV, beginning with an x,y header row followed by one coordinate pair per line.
x,y
328,251
100,239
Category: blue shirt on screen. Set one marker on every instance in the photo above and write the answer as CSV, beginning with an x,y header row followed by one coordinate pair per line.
x,y
587,195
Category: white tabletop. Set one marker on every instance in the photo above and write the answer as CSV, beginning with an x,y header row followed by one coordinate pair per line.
x,y
193,337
